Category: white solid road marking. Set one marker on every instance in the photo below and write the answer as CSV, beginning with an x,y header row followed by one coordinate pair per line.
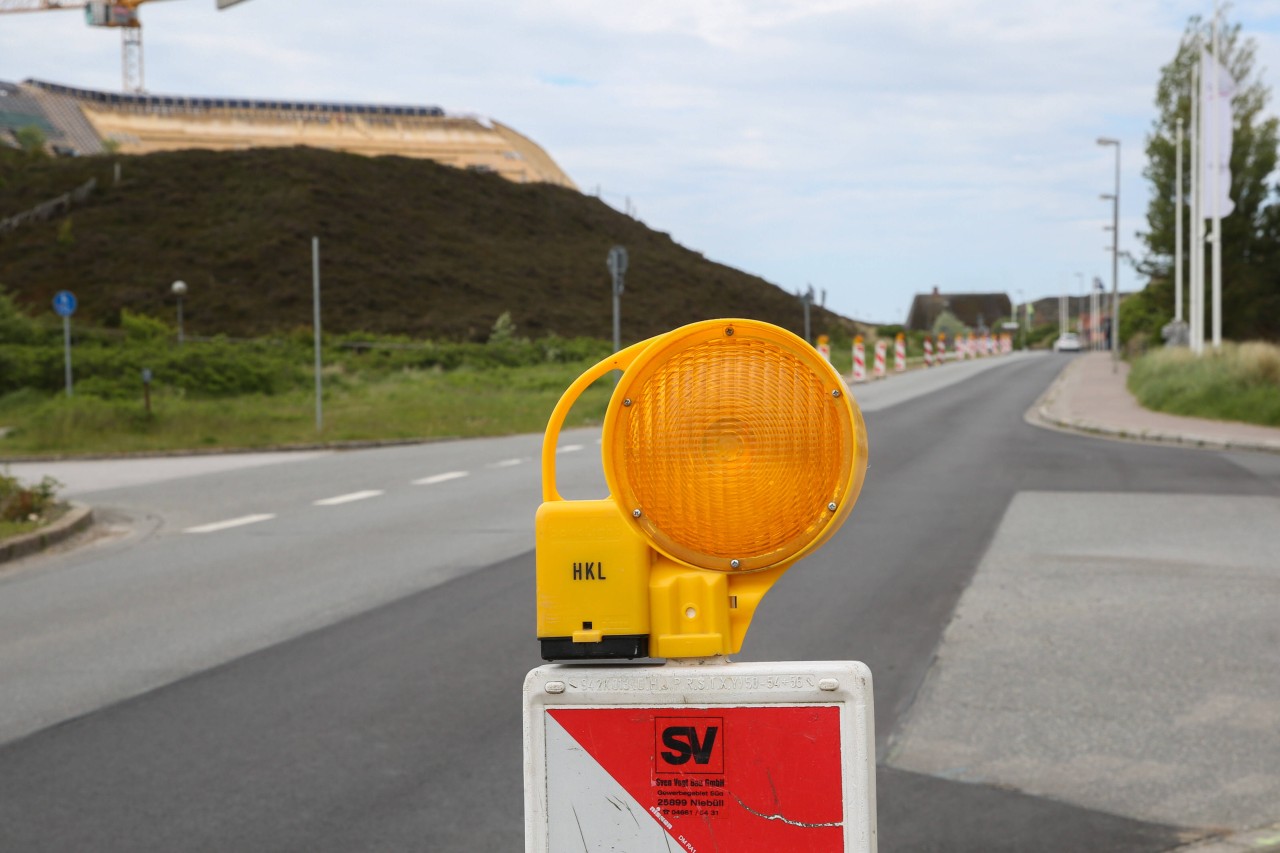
x,y
441,478
569,448
505,463
346,499
229,523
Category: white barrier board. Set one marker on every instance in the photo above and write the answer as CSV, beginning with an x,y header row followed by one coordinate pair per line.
x,y
732,756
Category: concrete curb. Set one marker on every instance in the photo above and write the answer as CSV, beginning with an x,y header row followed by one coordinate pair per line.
x,y
1262,840
1040,415
79,517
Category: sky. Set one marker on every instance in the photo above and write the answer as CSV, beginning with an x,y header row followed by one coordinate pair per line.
x,y
873,149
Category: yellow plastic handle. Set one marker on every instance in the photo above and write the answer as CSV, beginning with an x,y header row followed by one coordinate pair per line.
x,y
620,360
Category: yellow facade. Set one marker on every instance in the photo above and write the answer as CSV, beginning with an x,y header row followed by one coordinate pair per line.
x,y
462,142
82,120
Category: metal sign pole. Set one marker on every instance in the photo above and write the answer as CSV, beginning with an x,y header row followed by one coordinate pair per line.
x,y
315,301
617,264
66,345
64,305
617,317
806,299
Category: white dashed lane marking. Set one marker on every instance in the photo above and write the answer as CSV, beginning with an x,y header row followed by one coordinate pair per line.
x,y
360,496
441,478
346,499
229,523
569,448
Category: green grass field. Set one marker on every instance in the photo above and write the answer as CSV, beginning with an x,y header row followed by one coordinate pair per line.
x,y
1241,382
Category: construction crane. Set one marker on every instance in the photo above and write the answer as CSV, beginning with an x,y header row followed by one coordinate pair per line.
x,y
122,15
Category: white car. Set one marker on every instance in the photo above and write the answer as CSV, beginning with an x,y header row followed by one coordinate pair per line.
x,y
1067,342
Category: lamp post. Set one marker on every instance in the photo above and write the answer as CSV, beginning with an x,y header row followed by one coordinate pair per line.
x,y
1021,328
1115,257
179,289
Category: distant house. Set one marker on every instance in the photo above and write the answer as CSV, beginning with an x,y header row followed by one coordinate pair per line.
x,y
976,310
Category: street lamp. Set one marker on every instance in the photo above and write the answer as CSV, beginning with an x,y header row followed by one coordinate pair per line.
x,y
1115,258
1021,327
1080,306
179,289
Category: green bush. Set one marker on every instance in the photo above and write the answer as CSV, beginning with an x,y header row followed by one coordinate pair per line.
x,y
20,502
15,326
110,366
1143,314
31,140
1042,336
141,329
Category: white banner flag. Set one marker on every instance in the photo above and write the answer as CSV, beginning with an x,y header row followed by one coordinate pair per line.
x,y
1216,91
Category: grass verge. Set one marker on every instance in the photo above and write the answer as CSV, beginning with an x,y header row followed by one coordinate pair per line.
x,y
408,404
1240,382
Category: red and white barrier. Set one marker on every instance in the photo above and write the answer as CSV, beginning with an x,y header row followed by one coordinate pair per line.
x,y
942,347
859,360
928,353
899,353
881,348
824,347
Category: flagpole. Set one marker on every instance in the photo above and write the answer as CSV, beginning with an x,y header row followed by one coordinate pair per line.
x,y
1177,232
1215,118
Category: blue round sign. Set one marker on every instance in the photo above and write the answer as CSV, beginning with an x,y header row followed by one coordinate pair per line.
x,y
64,303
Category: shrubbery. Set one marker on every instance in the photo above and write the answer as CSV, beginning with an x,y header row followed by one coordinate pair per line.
x,y
110,365
1240,382
22,504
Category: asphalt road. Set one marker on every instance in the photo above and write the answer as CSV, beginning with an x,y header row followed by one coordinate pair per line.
x,y
345,674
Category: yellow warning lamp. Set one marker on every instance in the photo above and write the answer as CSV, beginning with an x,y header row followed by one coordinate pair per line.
x,y
731,450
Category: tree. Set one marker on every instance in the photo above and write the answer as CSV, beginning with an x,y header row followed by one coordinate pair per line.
x,y
30,139
949,324
1250,235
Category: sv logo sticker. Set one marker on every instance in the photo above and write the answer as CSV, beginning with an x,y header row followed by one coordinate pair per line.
x,y
685,739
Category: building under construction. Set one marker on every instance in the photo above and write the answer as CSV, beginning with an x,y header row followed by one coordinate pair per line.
x,y
77,121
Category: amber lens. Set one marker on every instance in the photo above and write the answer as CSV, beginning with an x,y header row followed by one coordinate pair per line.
x,y
736,443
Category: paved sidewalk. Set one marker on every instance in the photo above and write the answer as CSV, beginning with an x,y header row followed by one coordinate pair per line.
x,y
1089,397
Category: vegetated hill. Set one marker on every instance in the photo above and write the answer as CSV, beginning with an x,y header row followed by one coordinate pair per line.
x,y
407,246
